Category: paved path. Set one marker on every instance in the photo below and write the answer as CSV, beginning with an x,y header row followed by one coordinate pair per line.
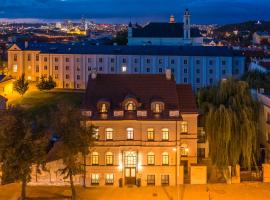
x,y
244,191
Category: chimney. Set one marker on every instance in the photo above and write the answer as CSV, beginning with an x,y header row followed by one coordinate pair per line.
x,y
26,44
93,74
168,74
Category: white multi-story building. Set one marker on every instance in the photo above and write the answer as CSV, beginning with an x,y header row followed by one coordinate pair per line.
x,y
167,34
70,64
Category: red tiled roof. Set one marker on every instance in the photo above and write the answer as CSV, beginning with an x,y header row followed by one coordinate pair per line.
x,y
187,100
146,88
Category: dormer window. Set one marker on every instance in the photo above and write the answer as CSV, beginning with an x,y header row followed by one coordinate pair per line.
x,y
103,106
157,107
130,106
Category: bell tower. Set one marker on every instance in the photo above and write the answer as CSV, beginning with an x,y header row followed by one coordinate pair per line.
x,y
186,20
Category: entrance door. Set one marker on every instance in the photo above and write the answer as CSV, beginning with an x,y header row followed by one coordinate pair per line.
x,y
130,167
130,175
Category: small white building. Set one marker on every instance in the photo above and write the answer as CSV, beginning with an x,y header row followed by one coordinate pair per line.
x,y
165,33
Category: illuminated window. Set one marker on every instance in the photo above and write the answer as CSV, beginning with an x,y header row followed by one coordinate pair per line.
x,y
165,158
130,106
151,158
124,68
109,158
184,127
150,134
109,179
95,158
103,108
15,68
109,133
130,133
184,150
96,133
95,179
165,134
157,108
29,78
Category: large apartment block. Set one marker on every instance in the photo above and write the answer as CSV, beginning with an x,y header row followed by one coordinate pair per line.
x,y
71,64
146,128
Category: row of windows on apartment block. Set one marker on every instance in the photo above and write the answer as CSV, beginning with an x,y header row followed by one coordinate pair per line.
x,y
124,60
109,179
150,133
109,157
124,69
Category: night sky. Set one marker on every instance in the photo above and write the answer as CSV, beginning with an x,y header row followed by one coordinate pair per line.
x,y
111,11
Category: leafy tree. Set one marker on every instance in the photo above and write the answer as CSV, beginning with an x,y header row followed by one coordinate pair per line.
x,y
232,124
21,85
46,84
257,80
121,38
75,139
20,147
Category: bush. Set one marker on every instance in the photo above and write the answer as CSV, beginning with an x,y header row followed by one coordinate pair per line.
x,y
46,84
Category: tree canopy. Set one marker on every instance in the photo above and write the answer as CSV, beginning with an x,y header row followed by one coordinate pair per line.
x,y
75,139
46,84
21,85
232,123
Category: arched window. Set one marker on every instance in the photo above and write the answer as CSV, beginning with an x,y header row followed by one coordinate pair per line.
x,y
109,133
95,158
151,158
109,158
165,134
130,133
150,134
165,158
130,106
157,107
184,150
103,106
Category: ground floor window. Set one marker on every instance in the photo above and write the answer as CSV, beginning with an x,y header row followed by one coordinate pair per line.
x,y
95,179
165,179
150,179
109,179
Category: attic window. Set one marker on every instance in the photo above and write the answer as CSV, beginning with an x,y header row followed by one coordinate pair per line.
x,y
130,106
103,106
157,107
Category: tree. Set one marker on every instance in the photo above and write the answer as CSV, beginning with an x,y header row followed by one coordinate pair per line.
x,y
232,124
121,38
20,147
46,84
75,139
21,85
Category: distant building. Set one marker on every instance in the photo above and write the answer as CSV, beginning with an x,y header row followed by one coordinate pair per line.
x,y
70,64
262,65
165,33
259,36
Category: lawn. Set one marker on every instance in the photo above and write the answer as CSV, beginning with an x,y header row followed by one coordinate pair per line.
x,y
43,101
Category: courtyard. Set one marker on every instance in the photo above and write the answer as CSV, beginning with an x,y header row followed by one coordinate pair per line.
x,y
243,191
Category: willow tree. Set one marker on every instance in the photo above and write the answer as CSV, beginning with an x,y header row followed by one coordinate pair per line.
x,y
232,123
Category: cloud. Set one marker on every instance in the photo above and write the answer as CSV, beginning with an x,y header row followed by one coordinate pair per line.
x,y
203,11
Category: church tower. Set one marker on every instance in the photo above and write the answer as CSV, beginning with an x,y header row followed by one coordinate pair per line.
x,y
130,30
186,20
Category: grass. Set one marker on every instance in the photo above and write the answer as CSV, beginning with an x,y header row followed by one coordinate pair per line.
x,y
39,102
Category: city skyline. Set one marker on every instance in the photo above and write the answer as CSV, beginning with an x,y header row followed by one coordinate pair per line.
x,y
112,11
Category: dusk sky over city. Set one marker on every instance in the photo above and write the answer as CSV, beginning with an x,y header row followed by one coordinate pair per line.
x,y
203,11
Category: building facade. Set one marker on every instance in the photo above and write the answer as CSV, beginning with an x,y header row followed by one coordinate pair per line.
x,y
146,129
70,64
165,33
